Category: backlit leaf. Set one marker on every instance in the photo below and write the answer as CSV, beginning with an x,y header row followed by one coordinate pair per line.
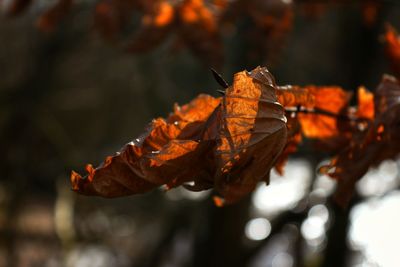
x,y
393,48
369,148
229,143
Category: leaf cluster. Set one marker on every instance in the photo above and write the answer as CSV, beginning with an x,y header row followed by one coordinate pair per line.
x,y
232,142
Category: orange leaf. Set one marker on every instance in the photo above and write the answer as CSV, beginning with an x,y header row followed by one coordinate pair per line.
x,y
393,48
230,144
198,29
155,27
370,10
329,99
380,141
252,134
49,20
293,96
160,156
365,103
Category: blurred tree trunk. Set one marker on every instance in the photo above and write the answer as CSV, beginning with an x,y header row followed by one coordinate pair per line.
x,y
221,241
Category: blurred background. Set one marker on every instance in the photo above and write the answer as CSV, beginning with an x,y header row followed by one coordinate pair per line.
x,y
69,97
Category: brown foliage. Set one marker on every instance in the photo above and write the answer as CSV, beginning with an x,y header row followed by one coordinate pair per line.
x,y
158,157
156,25
366,107
393,48
48,21
194,21
330,99
18,6
368,148
369,8
110,16
198,25
231,143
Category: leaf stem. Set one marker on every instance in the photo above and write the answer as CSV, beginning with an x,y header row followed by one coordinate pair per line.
x,y
318,111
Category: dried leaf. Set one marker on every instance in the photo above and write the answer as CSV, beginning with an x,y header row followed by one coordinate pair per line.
x,y
369,148
107,20
230,144
370,10
163,155
272,20
328,98
328,101
156,25
252,134
393,48
294,96
365,103
198,29
49,20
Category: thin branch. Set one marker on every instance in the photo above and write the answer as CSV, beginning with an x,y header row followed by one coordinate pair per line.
x,y
318,111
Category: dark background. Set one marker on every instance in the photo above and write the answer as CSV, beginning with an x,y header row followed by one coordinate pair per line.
x,y
69,98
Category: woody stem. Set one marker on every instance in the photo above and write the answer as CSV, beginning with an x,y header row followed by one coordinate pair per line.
x,y
318,111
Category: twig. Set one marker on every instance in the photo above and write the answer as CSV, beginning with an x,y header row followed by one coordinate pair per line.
x,y
318,111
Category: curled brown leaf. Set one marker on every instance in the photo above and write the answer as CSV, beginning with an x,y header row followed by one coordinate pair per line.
x,y
229,143
380,141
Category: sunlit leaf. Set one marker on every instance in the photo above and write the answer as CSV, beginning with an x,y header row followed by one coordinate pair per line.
x,y
365,108
393,48
163,155
380,141
229,143
331,99
252,134
319,105
156,24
